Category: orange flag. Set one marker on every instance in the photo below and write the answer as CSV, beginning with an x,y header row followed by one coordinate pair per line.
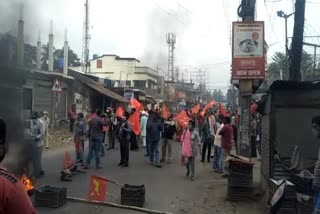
x,y
67,161
141,107
182,118
165,113
195,109
134,120
135,104
119,112
223,110
209,105
97,188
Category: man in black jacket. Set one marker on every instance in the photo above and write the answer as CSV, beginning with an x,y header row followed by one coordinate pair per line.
x,y
169,128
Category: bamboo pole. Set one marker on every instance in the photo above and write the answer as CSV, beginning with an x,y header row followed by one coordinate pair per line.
x,y
110,204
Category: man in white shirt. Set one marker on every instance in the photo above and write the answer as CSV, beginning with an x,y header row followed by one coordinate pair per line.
x,y
46,120
217,158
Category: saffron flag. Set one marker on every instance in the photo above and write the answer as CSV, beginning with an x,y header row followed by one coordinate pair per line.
x,y
141,107
195,109
183,119
209,105
97,188
67,161
134,103
223,110
165,113
119,112
134,120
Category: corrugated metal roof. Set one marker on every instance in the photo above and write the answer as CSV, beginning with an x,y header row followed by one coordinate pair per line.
x,y
97,87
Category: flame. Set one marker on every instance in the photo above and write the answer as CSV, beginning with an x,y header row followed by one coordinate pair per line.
x,y
27,183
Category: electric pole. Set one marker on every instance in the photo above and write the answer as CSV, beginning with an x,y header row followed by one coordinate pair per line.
x,y
247,12
297,41
85,39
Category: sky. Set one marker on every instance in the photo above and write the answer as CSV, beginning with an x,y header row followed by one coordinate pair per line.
x,y
138,29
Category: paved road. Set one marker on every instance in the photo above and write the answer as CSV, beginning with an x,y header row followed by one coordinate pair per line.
x,y
165,187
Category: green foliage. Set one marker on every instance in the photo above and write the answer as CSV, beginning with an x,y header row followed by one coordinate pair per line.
x,y
279,63
218,96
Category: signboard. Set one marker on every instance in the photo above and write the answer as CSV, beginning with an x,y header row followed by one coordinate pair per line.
x,y
56,87
128,95
248,55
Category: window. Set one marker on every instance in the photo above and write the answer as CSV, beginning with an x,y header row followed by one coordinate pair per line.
x,y
128,83
99,63
140,83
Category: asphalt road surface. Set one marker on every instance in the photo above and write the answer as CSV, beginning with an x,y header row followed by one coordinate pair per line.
x,y
167,188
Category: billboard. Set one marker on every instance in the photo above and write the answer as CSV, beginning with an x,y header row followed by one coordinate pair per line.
x,y
248,50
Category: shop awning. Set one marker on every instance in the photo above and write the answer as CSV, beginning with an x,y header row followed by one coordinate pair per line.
x,y
98,87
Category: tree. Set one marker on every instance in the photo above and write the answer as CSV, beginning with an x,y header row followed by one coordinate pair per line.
x,y
279,63
218,96
73,59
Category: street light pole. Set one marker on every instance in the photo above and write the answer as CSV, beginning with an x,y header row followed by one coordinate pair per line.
x,y
285,16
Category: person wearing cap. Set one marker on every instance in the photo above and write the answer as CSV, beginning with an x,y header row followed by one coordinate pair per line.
x,y
46,120
37,134
13,198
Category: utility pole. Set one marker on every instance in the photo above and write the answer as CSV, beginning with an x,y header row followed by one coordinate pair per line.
x,y
85,39
245,89
297,41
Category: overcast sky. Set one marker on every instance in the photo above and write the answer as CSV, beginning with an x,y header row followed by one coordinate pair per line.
x,y
137,29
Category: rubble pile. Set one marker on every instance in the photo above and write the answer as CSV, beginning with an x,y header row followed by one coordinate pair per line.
x,y
59,136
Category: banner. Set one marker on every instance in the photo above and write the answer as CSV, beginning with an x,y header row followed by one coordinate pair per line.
x,y
134,120
248,50
165,113
97,188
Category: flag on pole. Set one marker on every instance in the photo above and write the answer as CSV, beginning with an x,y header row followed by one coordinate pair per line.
x,y
119,112
67,161
134,103
97,188
209,105
134,120
223,110
183,119
165,113
195,109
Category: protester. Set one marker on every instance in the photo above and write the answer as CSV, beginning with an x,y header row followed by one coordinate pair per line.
x,y
217,157
235,132
95,139
134,143
46,120
258,133
190,141
148,135
79,137
143,128
14,198
316,180
72,115
37,134
169,129
104,131
154,129
208,133
124,136
226,140
253,134
113,123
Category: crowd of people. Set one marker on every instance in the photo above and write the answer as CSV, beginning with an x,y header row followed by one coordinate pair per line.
x,y
208,130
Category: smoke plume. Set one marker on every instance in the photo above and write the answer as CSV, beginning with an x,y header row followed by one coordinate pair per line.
x,y
159,23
